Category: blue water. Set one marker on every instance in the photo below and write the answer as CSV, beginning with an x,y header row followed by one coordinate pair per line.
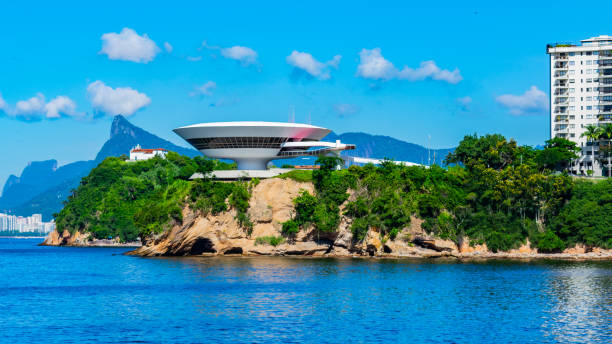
x,y
77,295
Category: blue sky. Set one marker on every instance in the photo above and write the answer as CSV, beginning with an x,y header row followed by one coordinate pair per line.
x,y
65,68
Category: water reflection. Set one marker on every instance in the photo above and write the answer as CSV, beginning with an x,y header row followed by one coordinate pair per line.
x,y
580,304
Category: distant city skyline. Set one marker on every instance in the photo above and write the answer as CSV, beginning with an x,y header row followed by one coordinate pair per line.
x,y
381,68
25,224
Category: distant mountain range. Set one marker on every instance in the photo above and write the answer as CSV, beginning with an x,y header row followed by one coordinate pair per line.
x,y
43,186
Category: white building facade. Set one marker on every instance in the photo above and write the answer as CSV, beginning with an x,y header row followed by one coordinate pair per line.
x,y
137,153
581,94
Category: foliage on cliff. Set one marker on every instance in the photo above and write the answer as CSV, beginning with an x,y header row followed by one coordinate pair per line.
x,y
497,193
134,199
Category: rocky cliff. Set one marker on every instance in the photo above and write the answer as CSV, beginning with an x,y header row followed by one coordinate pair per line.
x,y
271,204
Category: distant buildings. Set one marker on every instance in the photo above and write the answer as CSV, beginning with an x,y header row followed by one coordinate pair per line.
x,y
24,225
581,95
137,153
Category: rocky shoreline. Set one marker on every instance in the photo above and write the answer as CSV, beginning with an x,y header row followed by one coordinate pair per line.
x,y
271,205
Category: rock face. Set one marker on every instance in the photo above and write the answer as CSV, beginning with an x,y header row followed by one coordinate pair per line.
x,y
270,205
83,239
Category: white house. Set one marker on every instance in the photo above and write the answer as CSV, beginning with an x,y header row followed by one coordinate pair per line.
x,y
137,153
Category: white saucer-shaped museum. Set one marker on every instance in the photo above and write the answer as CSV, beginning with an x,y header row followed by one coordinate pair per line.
x,y
253,144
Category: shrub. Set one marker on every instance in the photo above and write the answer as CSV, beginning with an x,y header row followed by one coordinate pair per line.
x,y
269,240
548,242
290,227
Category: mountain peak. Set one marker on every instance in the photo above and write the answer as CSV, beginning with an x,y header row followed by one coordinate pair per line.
x,y
121,126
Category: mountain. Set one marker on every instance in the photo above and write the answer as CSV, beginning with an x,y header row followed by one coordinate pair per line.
x,y
124,136
42,186
378,147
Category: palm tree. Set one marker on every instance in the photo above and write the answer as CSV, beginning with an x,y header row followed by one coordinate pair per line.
x,y
592,133
606,133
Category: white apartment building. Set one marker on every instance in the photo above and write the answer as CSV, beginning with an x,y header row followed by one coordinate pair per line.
x,y
581,93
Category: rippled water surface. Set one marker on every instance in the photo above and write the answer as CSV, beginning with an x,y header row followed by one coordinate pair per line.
x,y
75,295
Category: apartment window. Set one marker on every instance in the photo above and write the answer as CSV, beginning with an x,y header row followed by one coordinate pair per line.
x,y
589,71
589,99
595,62
589,89
589,53
589,62
572,81
571,72
572,108
595,71
589,80
572,135
572,126
595,80
572,54
589,107
572,90
571,63
596,53
572,116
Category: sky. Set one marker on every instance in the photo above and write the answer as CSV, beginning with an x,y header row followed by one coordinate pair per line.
x,y
423,74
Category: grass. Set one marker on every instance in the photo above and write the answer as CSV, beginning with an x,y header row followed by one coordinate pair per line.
x,y
269,240
298,175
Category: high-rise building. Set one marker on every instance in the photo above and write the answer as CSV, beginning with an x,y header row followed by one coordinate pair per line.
x,y
581,95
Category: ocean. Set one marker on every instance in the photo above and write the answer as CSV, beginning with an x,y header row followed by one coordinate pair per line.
x,y
100,295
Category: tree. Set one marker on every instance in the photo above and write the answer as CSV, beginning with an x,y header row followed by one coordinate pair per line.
x,y
606,133
592,133
557,154
491,150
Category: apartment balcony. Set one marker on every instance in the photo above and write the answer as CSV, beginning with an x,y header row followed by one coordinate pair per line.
x,y
561,92
561,118
561,65
561,74
560,111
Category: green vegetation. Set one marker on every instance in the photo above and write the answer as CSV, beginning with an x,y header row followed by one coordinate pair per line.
x,y
135,199
494,191
269,240
297,175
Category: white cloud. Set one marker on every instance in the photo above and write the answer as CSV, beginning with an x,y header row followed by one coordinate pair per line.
x,y
35,108
204,90
246,56
60,105
194,58
310,65
168,47
344,109
532,101
116,101
374,66
129,46
465,102
32,106
3,105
